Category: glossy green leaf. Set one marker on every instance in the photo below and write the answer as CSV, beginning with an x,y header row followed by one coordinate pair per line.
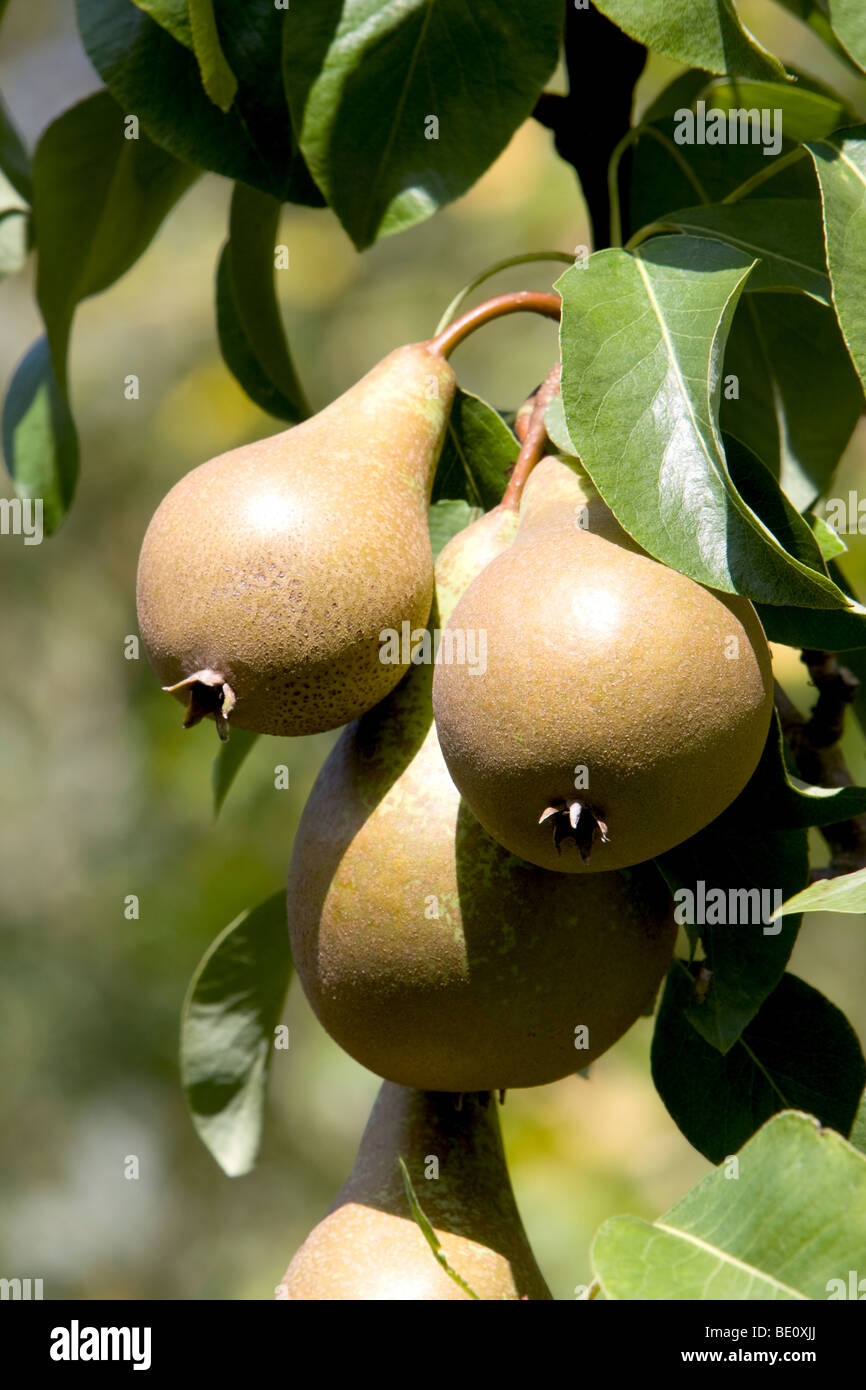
x,y
250,328
172,15
749,859
228,763
799,1052
401,107
847,893
785,233
701,33
158,79
230,1014
445,518
768,1229
841,166
14,159
478,455
643,338
217,77
40,445
799,397
848,19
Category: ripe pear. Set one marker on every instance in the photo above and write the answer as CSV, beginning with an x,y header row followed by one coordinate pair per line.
x,y
267,575
623,707
369,1247
429,953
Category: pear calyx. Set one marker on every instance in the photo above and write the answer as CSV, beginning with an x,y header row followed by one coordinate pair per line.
x,y
574,820
208,693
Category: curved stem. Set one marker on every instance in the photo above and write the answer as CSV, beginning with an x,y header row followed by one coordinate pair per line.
x,y
521,301
525,259
768,172
630,138
534,440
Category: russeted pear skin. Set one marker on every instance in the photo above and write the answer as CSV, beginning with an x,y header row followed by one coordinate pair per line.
x,y
430,954
370,1248
622,701
267,575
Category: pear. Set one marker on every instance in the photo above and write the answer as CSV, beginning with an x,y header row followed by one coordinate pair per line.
x,y
268,574
369,1247
430,954
623,706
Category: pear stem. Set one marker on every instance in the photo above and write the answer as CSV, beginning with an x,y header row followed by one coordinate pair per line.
x,y
534,440
520,301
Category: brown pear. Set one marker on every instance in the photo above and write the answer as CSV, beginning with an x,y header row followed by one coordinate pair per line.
x,y
268,575
432,955
623,706
369,1247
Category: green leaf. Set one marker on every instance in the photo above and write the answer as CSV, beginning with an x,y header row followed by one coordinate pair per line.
x,y
768,1230
701,33
828,538
848,19
367,80
799,396
217,77
428,1232
228,762
799,1052
847,893
642,342
445,518
14,159
786,234
40,445
158,79
172,15
232,1008
250,328
478,454
98,200
758,848
841,167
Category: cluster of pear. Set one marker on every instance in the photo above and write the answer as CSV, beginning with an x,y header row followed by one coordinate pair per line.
x,y
470,902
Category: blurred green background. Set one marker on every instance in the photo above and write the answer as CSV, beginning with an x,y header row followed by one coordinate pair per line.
x,y
103,795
